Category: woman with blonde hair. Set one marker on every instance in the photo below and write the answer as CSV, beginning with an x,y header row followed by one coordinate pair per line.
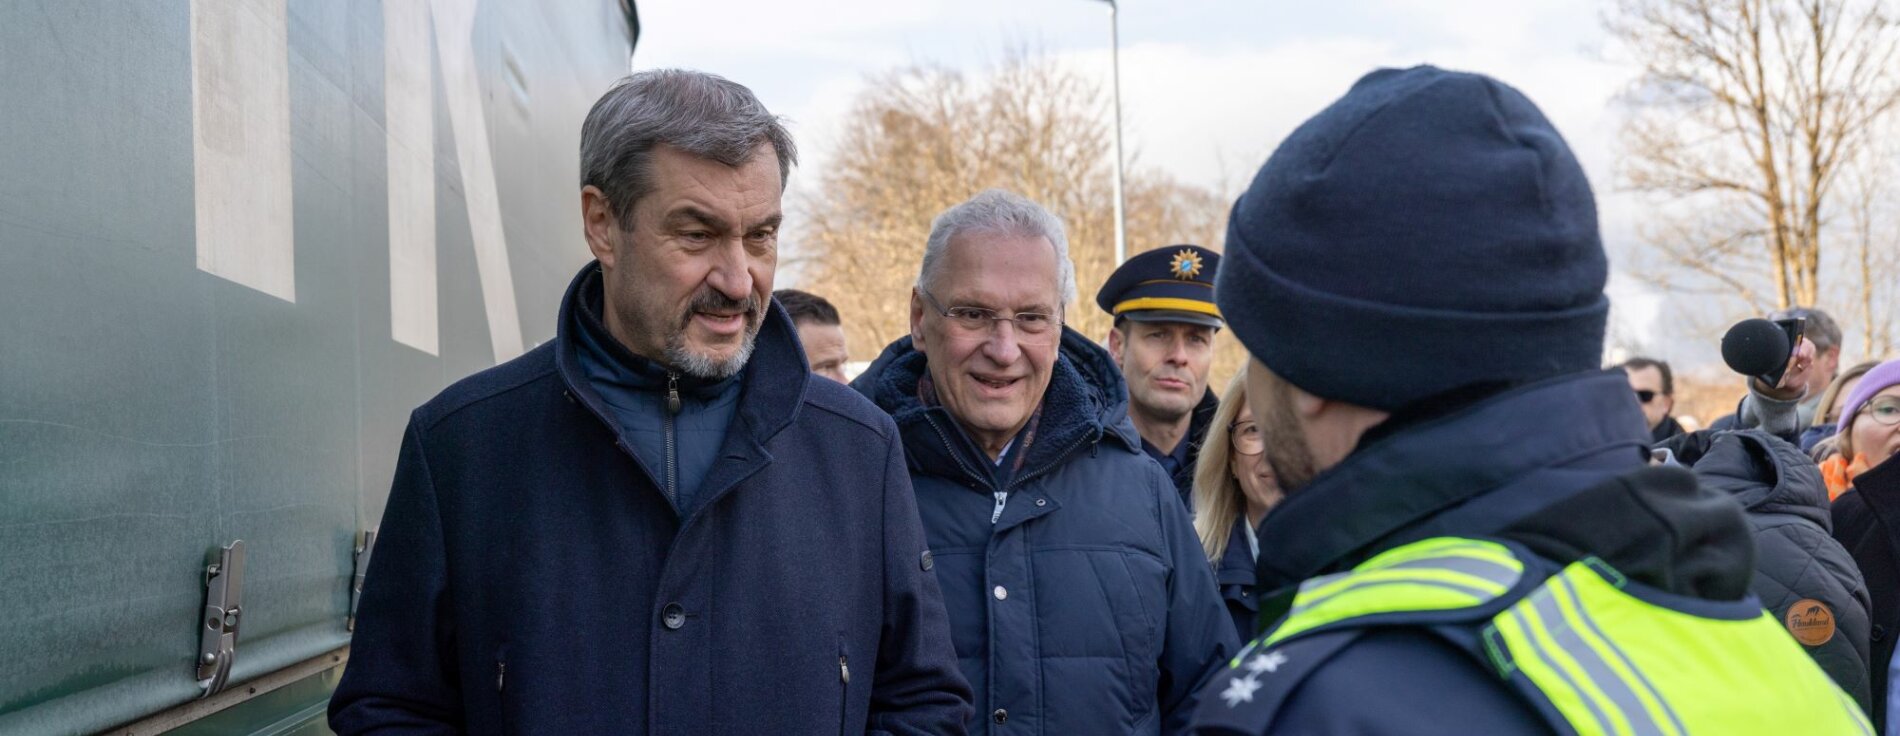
x,y
1827,413
1233,488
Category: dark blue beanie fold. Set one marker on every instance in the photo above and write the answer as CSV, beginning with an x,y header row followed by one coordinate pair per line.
x,y
1428,231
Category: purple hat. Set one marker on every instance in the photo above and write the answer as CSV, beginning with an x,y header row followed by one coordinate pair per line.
x,y
1882,377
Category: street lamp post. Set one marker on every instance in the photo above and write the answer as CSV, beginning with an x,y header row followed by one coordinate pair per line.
x,y
1115,71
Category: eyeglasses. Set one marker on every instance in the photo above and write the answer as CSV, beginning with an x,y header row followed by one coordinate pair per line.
x,y
1884,410
1032,328
1247,438
1645,395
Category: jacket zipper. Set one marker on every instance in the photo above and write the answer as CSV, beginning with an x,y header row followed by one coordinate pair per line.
x,y
844,692
672,447
945,436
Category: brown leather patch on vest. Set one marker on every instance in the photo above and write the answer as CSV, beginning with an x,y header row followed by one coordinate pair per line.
x,y
1811,622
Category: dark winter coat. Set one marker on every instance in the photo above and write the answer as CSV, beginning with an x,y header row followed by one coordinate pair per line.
x,y
1497,467
1796,558
1235,575
1087,606
1867,523
531,576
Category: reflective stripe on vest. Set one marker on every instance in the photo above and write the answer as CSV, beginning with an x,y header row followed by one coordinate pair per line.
x,y
1431,575
1613,663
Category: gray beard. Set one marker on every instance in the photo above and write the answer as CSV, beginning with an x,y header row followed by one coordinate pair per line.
x,y
701,366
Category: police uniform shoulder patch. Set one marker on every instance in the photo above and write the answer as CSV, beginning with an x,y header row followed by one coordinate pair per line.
x,y
1810,621
1246,697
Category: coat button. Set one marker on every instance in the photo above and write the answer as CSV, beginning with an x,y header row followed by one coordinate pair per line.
x,y
927,562
1879,632
1042,502
673,616
1000,595
999,716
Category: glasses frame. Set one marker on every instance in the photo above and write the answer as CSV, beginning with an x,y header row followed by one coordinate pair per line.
x,y
1233,438
1035,338
1869,404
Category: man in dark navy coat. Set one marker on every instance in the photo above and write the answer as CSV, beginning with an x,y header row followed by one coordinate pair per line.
x,y
1163,342
659,522
1078,595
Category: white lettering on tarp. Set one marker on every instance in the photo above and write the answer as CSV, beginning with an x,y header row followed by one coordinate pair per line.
x,y
240,143
454,26
242,159
409,117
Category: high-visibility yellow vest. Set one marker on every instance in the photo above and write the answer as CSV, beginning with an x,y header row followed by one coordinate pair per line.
x,y
1594,652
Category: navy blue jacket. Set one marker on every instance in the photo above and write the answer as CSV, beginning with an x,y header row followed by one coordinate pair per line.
x,y
1502,467
1087,607
1234,573
677,446
531,577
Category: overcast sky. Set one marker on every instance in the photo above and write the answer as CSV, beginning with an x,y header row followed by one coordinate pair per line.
x,y
1209,87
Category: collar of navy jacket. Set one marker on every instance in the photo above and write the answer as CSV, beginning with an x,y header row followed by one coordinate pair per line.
x,y
773,385
1086,401
1522,450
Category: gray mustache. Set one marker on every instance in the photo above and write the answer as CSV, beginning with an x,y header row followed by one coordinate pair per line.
x,y
711,300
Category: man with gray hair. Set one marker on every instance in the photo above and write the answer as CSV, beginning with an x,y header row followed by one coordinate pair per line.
x,y
659,522
1079,601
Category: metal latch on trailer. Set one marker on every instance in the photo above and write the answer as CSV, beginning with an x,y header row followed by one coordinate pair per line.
x,y
217,641
362,571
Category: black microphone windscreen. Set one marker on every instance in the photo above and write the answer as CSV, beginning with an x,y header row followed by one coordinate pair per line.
x,y
1755,347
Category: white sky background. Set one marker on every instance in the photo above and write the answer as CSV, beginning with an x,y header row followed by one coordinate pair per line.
x,y
1209,87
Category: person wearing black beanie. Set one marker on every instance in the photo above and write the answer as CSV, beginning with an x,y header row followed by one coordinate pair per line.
x,y
1472,538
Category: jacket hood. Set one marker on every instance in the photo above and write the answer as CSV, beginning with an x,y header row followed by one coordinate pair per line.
x,y
1086,398
1765,474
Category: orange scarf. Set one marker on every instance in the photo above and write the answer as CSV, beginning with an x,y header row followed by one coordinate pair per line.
x,y
1839,474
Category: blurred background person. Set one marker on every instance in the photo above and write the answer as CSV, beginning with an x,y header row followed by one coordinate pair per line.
x,y
1827,415
1655,386
819,329
1233,489
1867,512
1822,335
1868,431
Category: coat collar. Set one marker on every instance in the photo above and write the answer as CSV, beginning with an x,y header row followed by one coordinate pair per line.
x,y
772,384
1407,478
1086,401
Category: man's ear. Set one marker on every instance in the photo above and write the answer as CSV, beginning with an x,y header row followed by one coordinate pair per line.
x,y
1115,345
599,225
1670,407
917,341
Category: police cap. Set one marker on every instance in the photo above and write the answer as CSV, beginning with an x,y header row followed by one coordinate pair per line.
x,y
1171,284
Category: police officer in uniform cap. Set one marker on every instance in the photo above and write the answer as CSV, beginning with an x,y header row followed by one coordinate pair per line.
x,y
1472,540
1163,341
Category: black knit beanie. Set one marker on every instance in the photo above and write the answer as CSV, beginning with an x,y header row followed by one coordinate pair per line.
x,y
1427,232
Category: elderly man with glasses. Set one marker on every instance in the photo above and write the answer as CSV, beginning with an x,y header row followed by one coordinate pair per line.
x,y
1079,601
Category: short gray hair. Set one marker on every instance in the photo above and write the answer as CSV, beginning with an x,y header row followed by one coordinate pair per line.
x,y
999,211
703,114
1820,329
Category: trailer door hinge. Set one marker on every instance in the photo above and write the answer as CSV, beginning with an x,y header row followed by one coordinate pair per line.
x,y
362,571
217,640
